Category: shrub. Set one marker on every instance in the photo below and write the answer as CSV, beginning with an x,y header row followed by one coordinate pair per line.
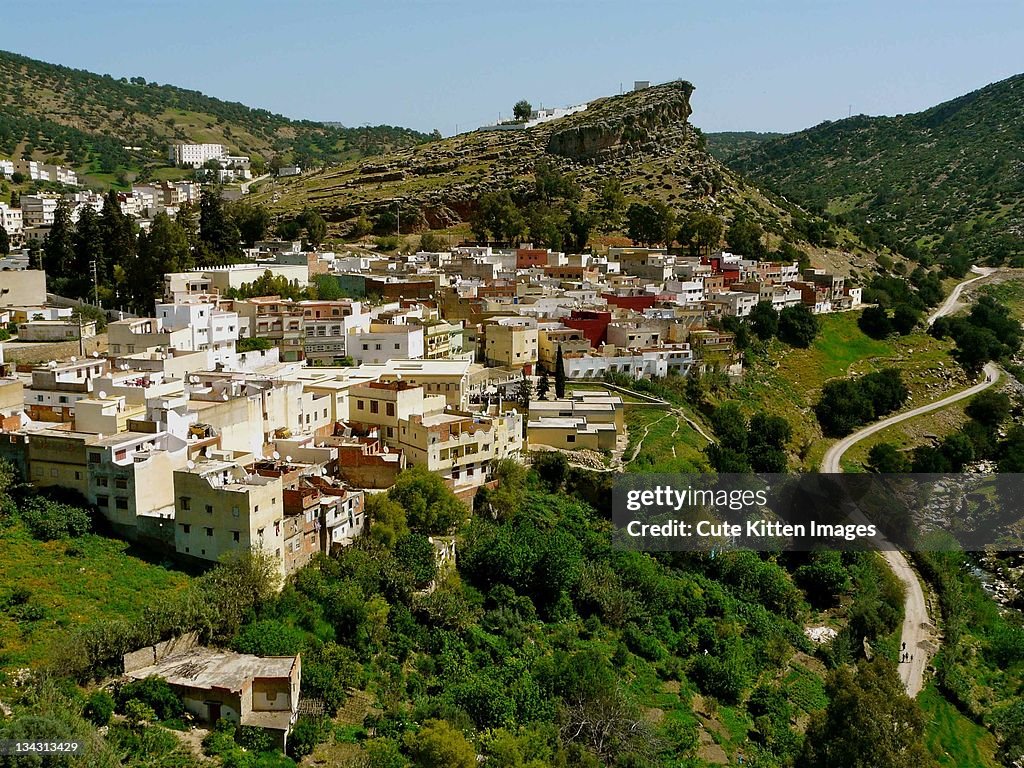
x,y
48,520
99,708
155,692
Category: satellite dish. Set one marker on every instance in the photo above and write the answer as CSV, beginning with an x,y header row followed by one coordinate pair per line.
x,y
224,396
288,459
74,359
276,455
323,470
52,364
190,464
102,395
386,450
95,354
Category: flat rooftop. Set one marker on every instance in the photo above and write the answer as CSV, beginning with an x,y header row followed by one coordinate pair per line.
x,y
208,668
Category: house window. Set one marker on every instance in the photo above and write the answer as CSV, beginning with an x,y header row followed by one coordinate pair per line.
x,y
234,511
389,409
570,438
377,347
186,528
374,406
360,405
209,531
121,502
235,536
186,502
120,482
209,509
101,481
102,501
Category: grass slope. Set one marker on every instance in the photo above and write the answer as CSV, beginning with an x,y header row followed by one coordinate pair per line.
x,y
68,582
787,381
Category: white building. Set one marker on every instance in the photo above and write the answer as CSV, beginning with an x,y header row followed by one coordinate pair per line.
x,y
210,329
195,155
7,168
11,220
382,342
38,210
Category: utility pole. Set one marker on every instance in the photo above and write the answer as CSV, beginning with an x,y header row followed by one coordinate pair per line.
x,y
95,284
81,334
398,218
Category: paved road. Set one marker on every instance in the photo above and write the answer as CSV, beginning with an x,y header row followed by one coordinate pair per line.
x,y
953,300
918,632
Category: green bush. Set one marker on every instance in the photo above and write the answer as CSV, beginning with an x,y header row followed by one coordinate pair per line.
x,y
99,708
154,692
49,520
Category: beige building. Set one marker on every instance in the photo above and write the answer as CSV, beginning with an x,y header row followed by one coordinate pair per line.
x,y
22,288
511,342
262,692
571,434
552,336
220,508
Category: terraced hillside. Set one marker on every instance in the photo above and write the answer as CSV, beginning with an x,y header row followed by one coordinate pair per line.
x,y
948,180
102,125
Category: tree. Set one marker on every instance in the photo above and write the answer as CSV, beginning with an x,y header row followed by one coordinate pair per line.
x,y
99,708
764,320
874,321
843,407
439,745
522,110
416,554
88,244
118,238
5,241
559,374
610,205
524,391
218,232
430,505
580,223
730,426
388,520
798,326
163,249
746,237
497,217
990,408
885,458
314,225
551,184
252,221
650,223
58,247
905,319
869,722
824,577
543,385
701,232
432,242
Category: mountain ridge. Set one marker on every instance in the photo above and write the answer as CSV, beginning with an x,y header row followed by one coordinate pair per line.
x,y
943,183
95,122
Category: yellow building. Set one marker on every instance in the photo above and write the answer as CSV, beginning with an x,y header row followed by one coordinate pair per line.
x,y
511,342
549,339
571,434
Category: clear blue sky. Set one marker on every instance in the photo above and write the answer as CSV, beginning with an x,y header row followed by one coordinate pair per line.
x,y
778,65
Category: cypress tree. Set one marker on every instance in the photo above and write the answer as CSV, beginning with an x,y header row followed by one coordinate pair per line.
x,y
559,375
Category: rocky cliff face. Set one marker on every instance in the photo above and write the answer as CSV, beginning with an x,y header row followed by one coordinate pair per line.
x,y
623,125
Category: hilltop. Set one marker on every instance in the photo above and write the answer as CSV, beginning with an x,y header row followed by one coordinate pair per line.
x,y
105,126
947,180
642,139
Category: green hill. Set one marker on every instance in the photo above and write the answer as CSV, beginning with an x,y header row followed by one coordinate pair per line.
x,y
105,126
947,181
725,145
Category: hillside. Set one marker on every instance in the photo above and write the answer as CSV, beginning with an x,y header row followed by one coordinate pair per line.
x,y
949,180
103,126
725,145
642,139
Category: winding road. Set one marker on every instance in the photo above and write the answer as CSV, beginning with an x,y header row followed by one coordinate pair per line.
x,y
918,634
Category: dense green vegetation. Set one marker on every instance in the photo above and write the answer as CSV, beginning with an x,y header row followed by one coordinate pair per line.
x,y
724,145
940,184
89,121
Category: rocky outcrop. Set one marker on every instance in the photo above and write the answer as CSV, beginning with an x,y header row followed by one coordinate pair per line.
x,y
623,125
